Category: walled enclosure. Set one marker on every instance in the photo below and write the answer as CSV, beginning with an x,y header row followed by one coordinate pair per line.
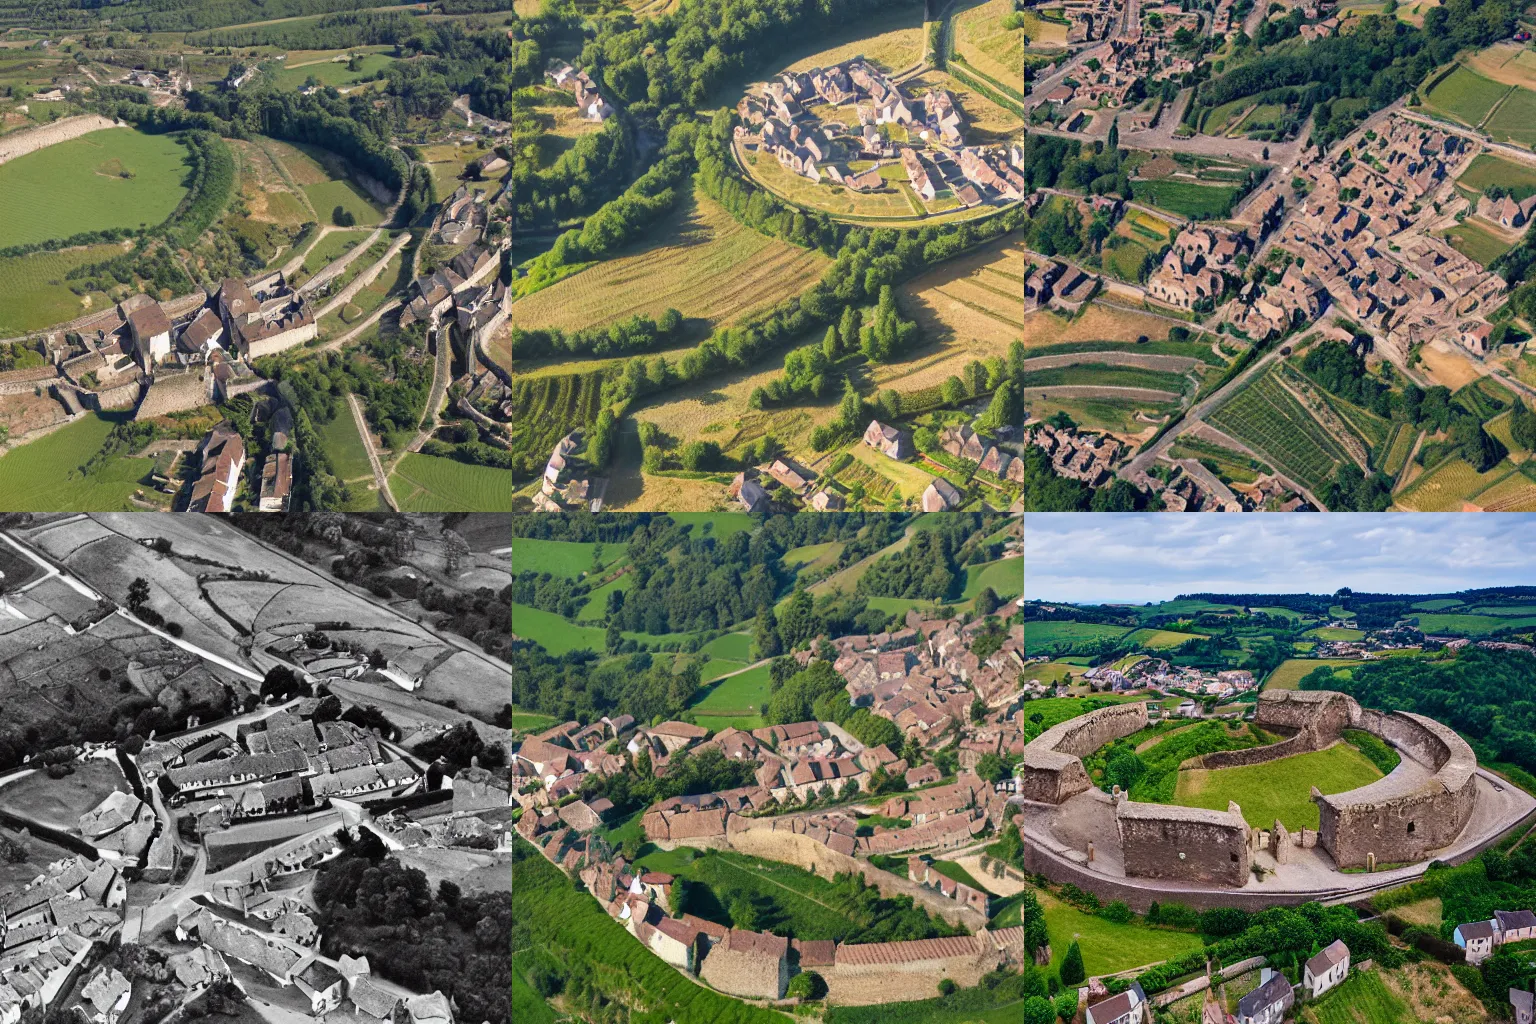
x,y
1052,769
1399,819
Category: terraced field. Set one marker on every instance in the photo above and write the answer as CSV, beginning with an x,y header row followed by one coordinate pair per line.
x,y
1446,487
700,262
545,409
986,46
1269,420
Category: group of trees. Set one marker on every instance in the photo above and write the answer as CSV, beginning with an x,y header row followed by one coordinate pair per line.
x,y
932,565
640,333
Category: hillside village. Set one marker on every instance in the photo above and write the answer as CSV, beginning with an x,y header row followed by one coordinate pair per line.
x,y
923,678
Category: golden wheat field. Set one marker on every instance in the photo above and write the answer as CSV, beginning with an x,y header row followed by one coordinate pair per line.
x,y
700,262
986,45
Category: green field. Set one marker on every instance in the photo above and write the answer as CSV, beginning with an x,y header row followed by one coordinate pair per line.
x,y
1335,633
331,248
1477,243
1515,120
714,669
813,554
597,600
1465,96
559,557
529,721
1278,789
333,73
1107,375
715,524
1109,947
34,292
1439,604
431,483
1470,625
743,694
553,633
44,476
732,646
1269,420
78,185
1162,639
1289,674
527,1007
1055,710
1186,198
1487,169
1361,997
349,458
1043,637
327,195
1005,576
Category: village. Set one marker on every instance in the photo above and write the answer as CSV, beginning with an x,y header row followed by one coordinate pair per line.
x,y
813,781
795,120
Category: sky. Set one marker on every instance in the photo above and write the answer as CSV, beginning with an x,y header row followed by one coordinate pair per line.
x,y
1133,558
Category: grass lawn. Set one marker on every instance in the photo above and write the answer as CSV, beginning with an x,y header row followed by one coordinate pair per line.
x,y
45,476
333,72
348,456
557,636
327,195
530,721
1278,789
431,483
559,557
1515,120
714,669
1487,169
1476,243
731,646
949,869
1361,997
813,555
1108,947
60,802
330,248
1465,95
90,171
743,694
527,1007
1289,674
1466,625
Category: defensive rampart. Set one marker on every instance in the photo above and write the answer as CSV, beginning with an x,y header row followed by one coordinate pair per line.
x,y
1420,806
1187,844
1052,769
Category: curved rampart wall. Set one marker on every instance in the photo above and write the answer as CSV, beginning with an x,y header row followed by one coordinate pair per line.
x,y
1052,769
1302,743
1421,806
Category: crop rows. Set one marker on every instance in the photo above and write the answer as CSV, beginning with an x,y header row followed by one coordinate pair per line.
x,y
1267,418
545,409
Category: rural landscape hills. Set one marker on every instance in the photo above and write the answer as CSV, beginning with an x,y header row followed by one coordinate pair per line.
x,y
254,257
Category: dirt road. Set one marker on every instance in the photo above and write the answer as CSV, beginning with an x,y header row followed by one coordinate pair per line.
x,y
62,130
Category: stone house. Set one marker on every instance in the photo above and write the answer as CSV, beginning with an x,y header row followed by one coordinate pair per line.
x,y
749,964
1522,1001
1128,1007
1267,1003
1476,938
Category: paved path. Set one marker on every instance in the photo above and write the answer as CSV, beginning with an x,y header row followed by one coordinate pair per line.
x,y
373,455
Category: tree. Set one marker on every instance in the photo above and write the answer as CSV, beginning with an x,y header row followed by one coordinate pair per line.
x,y
987,601
806,985
1072,965
765,633
744,913
947,986
991,768
953,391
829,345
1038,1010
850,409
677,897
978,709
138,593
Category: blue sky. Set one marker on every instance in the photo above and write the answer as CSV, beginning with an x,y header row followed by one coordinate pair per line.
x,y
1139,557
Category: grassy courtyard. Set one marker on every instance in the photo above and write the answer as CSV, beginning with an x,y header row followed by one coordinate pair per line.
x,y
1278,789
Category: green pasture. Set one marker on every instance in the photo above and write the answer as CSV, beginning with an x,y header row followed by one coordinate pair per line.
x,y
732,646
1488,169
713,669
1439,604
34,292
530,721
560,557
1005,576
1515,120
45,476
431,483
597,600
741,694
715,524
1477,243
333,73
1288,674
1470,625
1186,198
114,178
1362,997
813,556
1162,639
1040,637
1465,96
1278,789
556,635
327,195
1109,947
332,247
1335,633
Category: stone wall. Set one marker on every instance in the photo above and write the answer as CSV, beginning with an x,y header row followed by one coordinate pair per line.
x,y
1052,769
1405,816
1301,743
1189,844
759,838
174,392
123,396
1325,711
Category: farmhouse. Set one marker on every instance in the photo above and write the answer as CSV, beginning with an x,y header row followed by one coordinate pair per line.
x,y
750,964
894,443
941,496
1128,1007
276,482
1267,1003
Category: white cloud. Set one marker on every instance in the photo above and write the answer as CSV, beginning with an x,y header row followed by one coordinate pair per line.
x,y
1139,557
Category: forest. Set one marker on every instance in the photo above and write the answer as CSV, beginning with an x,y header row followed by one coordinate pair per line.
x,y
1484,695
448,941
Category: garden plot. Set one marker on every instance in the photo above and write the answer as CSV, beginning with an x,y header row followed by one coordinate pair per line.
x,y
59,803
